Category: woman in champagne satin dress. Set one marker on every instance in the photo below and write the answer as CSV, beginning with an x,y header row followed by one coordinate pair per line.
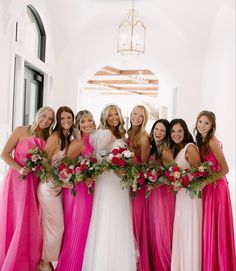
x,y
49,195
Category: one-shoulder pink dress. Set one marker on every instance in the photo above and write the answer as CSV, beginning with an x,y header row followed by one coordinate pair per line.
x,y
20,230
76,231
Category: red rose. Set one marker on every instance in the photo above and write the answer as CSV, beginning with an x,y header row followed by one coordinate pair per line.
x,y
69,171
122,163
83,167
122,150
149,173
141,181
29,156
61,167
38,168
175,168
115,161
115,151
92,159
185,181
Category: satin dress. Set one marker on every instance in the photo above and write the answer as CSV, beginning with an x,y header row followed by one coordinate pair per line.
x,y
218,244
50,199
187,231
140,223
161,211
20,230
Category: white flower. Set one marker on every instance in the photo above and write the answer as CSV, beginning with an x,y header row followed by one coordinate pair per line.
x,y
127,154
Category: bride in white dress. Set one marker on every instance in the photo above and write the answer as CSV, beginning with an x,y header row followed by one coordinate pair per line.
x,y
110,244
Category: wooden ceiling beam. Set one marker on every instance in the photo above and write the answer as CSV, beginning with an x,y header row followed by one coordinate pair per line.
x,y
120,82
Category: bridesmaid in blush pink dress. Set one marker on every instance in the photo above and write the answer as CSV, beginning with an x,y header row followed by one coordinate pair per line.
x,y
187,230
20,230
161,202
76,231
138,140
218,248
49,195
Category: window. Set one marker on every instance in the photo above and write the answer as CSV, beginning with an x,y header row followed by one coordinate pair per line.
x,y
30,33
33,84
30,67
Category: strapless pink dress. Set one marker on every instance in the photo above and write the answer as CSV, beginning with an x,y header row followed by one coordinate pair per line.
x,y
20,230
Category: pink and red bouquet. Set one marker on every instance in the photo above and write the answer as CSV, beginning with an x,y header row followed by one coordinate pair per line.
x,y
175,176
152,178
87,169
62,173
36,161
199,175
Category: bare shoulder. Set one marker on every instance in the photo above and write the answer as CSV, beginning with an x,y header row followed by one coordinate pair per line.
x,y
192,147
214,143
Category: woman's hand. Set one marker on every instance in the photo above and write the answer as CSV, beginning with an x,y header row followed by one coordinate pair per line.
x,y
24,171
120,172
68,185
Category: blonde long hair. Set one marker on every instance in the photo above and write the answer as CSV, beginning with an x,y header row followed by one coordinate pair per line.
x,y
120,130
78,118
33,127
141,129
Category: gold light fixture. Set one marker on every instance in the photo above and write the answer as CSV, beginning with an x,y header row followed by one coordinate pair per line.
x,y
131,34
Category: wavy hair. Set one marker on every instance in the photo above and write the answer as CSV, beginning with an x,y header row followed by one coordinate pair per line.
x,y
141,129
32,129
64,139
120,130
157,149
78,118
203,144
188,138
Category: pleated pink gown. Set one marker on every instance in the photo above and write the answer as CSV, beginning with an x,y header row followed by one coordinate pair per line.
x,y
72,253
140,224
161,206
20,230
218,245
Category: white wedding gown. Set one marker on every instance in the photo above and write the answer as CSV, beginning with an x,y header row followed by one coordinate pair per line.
x,y
110,244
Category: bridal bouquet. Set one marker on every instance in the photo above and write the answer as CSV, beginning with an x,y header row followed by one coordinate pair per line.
x,y
87,169
63,173
36,161
121,160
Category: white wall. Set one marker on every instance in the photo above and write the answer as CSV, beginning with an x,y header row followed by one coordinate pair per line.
x,y
218,85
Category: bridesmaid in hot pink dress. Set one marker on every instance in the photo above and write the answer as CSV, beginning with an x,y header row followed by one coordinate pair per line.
x,y
138,140
76,231
20,231
161,202
218,248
